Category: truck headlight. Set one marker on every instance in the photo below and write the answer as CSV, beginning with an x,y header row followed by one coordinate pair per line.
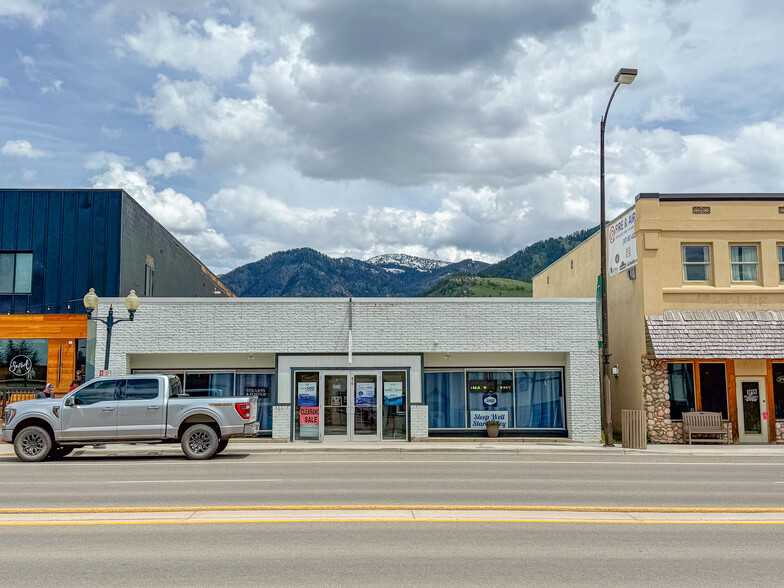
x,y
9,414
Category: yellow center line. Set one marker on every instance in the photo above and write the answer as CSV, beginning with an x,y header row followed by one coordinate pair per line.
x,y
381,507
468,520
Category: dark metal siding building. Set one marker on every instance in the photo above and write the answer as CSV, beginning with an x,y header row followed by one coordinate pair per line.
x,y
56,244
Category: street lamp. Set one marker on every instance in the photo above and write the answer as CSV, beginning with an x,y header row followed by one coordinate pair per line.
x,y
624,76
91,304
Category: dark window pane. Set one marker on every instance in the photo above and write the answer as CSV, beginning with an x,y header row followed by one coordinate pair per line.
x,y
24,273
695,273
6,272
141,389
97,392
445,399
681,382
713,388
538,397
221,384
696,253
778,390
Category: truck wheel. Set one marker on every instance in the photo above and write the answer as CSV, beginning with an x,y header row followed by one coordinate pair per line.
x,y
222,444
32,444
60,451
199,442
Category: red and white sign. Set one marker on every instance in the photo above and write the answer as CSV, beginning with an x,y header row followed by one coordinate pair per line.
x,y
104,373
308,415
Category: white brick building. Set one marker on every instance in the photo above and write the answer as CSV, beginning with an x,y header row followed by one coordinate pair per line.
x,y
376,369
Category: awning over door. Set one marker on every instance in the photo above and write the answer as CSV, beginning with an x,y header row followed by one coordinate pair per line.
x,y
709,334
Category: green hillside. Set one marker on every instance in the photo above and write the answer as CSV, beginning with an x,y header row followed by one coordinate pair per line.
x,y
469,285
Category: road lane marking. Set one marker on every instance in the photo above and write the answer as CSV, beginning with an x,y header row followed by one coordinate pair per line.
x,y
382,507
104,461
467,520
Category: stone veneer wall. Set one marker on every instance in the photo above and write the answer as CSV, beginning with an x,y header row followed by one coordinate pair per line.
x,y
779,432
656,389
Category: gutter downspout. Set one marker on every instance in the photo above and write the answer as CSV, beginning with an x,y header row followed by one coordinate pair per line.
x,y
350,327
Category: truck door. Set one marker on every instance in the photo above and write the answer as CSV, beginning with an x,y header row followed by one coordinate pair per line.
x,y
93,415
140,410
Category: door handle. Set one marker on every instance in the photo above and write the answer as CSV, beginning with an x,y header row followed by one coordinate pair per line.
x,y
108,409
153,408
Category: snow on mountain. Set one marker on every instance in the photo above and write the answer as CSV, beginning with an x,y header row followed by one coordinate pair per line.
x,y
398,261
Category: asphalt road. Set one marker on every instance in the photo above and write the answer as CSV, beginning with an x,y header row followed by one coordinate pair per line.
x,y
393,554
393,479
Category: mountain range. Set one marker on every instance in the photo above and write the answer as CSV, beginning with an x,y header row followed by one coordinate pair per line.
x,y
307,273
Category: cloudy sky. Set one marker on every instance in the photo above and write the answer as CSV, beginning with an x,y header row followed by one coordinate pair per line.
x,y
441,128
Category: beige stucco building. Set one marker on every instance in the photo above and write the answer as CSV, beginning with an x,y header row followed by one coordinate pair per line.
x,y
698,323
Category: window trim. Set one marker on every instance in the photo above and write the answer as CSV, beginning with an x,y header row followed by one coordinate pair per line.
x,y
740,263
685,263
780,253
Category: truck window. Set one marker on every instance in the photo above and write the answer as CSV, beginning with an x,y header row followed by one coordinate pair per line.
x,y
141,389
175,386
96,392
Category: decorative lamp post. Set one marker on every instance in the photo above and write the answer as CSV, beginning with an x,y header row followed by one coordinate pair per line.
x,y
91,304
624,76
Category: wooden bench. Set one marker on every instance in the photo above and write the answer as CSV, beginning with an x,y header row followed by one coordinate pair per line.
x,y
705,423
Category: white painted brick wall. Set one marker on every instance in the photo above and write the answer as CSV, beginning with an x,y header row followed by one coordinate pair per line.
x,y
380,325
419,421
281,422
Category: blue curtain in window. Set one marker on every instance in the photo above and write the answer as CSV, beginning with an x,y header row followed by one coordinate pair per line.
x,y
445,399
264,387
539,404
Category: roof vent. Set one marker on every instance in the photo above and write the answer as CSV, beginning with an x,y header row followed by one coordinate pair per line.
x,y
781,209
700,209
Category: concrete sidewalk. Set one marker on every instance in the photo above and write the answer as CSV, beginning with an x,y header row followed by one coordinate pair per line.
x,y
261,446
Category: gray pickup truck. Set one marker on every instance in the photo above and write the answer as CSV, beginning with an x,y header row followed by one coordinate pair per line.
x,y
127,409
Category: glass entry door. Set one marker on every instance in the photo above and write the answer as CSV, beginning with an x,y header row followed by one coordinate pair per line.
x,y
752,410
349,403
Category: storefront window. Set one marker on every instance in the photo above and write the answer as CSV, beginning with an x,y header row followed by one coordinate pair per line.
x,y
445,399
306,408
539,399
778,390
393,386
490,392
263,387
681,382
23,363
713,388
206,384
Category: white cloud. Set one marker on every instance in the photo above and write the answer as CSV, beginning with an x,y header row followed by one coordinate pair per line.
x,y
28,174
173,163
22,148
3,82
111,133
55,86
231,129
186,219
211,49
30,10
667,108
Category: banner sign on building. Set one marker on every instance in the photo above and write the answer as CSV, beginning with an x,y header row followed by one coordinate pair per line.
x,y
621,244
393,393
480,417
307,394
308,415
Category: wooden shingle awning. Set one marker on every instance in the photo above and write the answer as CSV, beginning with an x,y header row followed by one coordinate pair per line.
x,y
717,334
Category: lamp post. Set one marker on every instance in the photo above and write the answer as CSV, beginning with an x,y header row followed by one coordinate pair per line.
x,y
91,304
624,76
